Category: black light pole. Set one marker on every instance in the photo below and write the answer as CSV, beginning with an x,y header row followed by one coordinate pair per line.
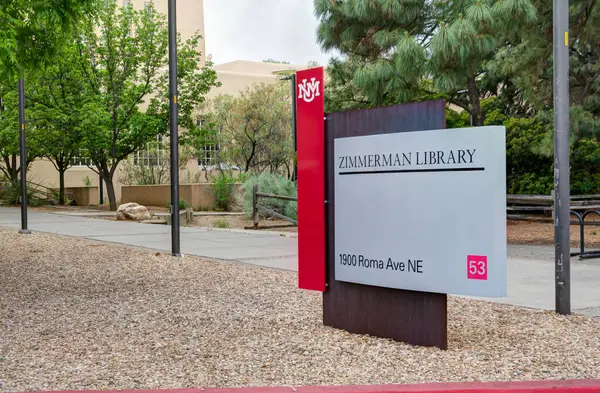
x,y
23,157
175,238
294,128
562,216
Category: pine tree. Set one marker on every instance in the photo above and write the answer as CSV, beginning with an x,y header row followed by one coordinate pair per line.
x,y
528,63
396,44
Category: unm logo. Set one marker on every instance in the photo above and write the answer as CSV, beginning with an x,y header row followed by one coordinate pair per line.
x,y
309,90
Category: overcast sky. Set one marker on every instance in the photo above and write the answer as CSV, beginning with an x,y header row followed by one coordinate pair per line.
x,y
283,30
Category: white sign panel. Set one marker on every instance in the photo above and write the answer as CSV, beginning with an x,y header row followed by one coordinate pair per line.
x,y
423,211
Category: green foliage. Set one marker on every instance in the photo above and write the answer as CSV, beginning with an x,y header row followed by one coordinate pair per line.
x,y
9,133
585,167
87,181
183,205
271,184
529,171
31,30
391,47
221,223
529,163
275,185
527,62
222,186
457,119
10,193
254,129
115,61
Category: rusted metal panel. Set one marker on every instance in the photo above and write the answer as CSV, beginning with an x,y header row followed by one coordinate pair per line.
x,y
418,318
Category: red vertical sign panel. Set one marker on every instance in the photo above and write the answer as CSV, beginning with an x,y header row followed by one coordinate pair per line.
x,y
310,142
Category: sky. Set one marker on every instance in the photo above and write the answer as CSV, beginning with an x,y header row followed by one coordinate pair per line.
x,y
284,30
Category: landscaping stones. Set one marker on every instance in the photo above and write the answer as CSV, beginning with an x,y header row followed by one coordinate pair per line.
x,y
133,212
75,314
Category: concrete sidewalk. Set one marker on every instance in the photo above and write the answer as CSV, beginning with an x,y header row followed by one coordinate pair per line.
x,y
263,249
530,268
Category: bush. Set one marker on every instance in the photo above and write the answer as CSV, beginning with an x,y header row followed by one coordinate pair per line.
x,y
528,166
10,194
271,184
222,186
183,205
221,223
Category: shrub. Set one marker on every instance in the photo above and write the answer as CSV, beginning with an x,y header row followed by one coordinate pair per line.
x,y
183,205
271,184
222,186
221,223
10,194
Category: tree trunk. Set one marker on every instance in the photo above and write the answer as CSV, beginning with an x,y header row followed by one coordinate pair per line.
x,y
110,191
61,186
14,176
476,113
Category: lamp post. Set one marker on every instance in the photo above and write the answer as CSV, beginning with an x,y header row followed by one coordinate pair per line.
x,y
293,79
23,157
174,136
562,213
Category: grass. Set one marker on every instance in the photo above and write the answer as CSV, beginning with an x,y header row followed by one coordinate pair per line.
x,y
221,223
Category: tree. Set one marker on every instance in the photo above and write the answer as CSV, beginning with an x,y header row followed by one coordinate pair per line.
x,y
32,29
57,101
123,65
254,130
528,63
30,33
393,45
9,134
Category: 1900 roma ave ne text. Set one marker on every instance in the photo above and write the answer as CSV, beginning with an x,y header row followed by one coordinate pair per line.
x,y
412,265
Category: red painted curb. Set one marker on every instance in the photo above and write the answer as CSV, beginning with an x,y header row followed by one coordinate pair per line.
x,y
579,386
570,386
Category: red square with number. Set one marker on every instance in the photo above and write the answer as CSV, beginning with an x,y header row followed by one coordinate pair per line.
x,y
477,267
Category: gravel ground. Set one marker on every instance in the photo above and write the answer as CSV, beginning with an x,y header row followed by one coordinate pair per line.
x,y
81,315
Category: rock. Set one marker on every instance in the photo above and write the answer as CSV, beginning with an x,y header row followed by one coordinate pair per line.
x,y
133,212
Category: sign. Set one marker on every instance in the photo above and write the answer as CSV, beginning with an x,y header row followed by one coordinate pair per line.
x,y
310,140
423,211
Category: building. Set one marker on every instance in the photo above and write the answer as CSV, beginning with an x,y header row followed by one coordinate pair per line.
x,y
235,77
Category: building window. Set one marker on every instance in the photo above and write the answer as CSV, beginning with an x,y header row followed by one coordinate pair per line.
x,y
152,155
127,3
81,159
209,155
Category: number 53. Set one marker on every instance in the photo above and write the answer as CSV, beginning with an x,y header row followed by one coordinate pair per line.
x,y
477,267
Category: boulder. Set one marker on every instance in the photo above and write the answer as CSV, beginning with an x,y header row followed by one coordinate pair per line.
x,y
133,212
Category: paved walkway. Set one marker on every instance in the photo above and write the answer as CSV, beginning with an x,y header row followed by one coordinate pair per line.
x,y
530,268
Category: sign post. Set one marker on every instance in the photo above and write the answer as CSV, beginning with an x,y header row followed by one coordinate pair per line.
x,y
310,140
412,213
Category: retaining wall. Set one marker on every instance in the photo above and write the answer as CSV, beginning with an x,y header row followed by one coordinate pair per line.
x,y
198,196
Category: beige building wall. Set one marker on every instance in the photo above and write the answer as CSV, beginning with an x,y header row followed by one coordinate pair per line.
x,y
190,17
